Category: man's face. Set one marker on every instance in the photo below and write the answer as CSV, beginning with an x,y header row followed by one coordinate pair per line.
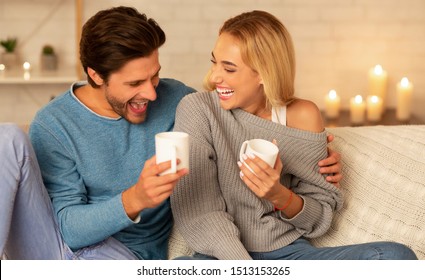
x,y
130,89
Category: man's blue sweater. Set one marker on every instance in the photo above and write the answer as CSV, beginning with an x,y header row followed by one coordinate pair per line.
x,y
88,160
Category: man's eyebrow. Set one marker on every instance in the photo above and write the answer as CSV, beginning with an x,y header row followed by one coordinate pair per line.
x,y
141,81
225,61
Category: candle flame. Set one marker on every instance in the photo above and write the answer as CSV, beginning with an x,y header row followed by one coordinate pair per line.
x,y
26,65
404,82
358,99
378,70
2,67
374,99
332,94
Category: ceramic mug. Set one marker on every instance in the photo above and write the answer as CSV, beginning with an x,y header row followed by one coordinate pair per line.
x,y
261,148
172,145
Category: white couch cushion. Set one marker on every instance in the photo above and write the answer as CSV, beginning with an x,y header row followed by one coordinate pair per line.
x,y
384,185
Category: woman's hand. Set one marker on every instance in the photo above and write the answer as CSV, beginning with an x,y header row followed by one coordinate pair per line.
x,y
265,181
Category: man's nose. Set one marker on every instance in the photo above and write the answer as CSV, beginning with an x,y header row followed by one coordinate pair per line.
x,y
149,92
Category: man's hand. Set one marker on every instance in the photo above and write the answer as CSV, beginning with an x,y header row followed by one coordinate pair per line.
x,y
151,189
331,165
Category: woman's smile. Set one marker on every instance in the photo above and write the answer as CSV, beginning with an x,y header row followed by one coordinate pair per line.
x,y
225,93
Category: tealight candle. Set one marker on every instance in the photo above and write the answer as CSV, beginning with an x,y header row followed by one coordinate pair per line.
x,y
404,97
378,82
357,109
332,104
374,108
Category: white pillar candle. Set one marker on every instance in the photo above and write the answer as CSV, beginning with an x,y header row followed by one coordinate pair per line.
x,y
404,98
332,104
378,82
357,109
374,108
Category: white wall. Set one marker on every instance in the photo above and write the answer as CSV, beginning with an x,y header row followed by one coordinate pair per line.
x,y
337,41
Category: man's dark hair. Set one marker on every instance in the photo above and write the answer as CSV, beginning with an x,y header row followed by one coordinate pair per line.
x,y
113,37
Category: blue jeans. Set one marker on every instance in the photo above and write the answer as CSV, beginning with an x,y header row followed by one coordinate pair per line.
x,y
301,249
28,226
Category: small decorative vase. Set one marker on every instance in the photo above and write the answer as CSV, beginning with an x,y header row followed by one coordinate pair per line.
x,y
9,59
49,62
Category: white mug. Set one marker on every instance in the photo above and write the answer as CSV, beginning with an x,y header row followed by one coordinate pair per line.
x,y
172,146
261,148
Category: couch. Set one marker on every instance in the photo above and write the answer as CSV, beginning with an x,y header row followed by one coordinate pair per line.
x,y
383,184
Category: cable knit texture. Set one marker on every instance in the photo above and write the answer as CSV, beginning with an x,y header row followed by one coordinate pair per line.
x,y
216,212
384,185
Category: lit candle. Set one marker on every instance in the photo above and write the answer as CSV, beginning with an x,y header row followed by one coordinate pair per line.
x,y
357,109
27,68
378,82
332,104
404,97
374,108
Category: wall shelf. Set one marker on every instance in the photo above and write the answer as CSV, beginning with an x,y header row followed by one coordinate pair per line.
x,y
21,77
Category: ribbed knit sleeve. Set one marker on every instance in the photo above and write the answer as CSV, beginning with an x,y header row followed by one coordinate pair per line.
x,y
216,212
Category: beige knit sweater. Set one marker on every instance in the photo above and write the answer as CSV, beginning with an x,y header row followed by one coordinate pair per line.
x,y
216,212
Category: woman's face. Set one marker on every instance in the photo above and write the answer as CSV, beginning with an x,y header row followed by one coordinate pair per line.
x,y
237,85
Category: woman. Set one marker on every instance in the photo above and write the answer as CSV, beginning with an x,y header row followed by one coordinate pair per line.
x,y
222,209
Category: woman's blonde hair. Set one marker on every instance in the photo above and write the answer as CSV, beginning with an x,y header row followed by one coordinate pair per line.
x,y
266,47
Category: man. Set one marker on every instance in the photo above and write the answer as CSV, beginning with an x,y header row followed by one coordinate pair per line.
x,y
94,146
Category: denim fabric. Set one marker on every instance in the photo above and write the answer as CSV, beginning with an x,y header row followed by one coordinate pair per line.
x,y
28,229
301,249
27,226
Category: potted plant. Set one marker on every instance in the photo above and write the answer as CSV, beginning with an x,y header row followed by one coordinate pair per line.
x,y
9,57
49,59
